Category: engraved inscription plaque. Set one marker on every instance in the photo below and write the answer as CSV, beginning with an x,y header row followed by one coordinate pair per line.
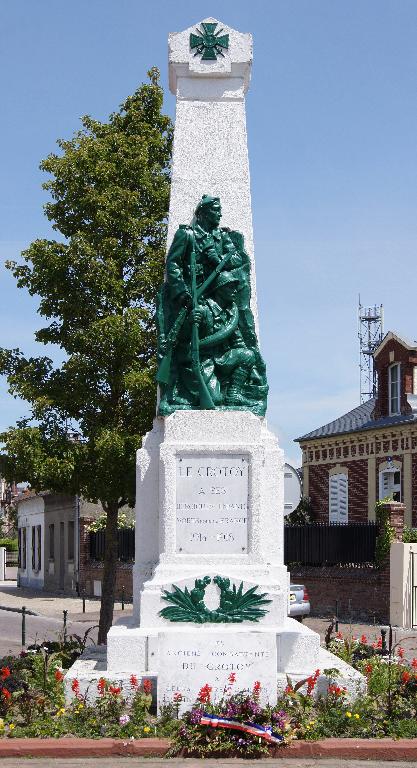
x,y
187,659
212,504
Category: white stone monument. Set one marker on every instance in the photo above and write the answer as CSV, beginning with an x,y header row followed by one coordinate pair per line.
x,y
209,497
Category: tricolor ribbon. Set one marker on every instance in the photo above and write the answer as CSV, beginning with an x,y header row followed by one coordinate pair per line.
x,y
252,728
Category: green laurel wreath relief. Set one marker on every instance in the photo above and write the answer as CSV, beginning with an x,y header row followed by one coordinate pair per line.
x,y
235,604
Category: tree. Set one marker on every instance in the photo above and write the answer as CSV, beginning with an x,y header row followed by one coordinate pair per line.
x,y
110,191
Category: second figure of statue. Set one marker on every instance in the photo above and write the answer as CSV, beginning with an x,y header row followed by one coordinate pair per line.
x,y
208,353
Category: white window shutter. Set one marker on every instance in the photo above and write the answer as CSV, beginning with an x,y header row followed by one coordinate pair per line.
x,y
338,498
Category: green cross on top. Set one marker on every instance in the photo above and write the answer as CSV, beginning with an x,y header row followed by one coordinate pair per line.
x,y
208,42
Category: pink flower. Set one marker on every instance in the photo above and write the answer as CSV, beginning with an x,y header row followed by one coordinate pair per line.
x,y
232,678
124,719
177,697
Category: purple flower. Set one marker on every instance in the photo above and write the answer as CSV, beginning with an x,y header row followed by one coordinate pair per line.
x,y
124,719
195,716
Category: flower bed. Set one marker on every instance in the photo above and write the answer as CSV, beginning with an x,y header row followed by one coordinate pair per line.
x,y
32,705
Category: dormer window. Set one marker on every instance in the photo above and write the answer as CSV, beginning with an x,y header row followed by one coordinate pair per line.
x,y
394,388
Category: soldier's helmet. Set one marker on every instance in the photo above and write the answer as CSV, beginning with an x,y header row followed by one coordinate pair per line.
x,y
224,278
206,201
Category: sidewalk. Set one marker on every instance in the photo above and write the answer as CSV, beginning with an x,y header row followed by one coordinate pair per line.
x,y
52,604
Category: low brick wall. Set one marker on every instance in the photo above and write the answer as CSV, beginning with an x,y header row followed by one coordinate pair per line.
x,y
362,594
93,572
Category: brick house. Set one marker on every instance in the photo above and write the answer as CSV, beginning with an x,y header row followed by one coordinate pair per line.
x,y
370,452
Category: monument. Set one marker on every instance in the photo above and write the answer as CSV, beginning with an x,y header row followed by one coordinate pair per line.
x,y
211,590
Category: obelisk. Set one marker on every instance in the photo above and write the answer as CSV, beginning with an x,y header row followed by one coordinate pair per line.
x,y
210,153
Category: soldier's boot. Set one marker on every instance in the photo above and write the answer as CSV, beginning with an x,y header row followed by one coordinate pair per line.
x,y
234,394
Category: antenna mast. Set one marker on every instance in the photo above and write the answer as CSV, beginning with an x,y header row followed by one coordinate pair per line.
x,y
370,332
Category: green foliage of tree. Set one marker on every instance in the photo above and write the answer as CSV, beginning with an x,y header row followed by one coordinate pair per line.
x,y
301,515
110,191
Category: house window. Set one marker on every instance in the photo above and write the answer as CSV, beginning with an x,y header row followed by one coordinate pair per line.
x,y
338,498
390,484
394,388
52,542
24,548
71,540
33,548
38,547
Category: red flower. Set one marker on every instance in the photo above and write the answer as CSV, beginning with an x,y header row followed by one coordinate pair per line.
x,y
232,678
133,681
5,672
256,689
405,677
368,670
204,694
339,635
101,686
311,682
115,690
414,663
177,697
364,639
147,686
335,690
379,643
75,685
289,688
7,695
400,653
59,676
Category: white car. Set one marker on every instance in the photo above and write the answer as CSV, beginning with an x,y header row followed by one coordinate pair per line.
x,y
299,602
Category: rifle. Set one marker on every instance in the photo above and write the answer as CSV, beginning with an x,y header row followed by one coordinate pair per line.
x,y
164,367
206,401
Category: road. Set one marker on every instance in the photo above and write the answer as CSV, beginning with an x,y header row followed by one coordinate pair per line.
x,y
38,629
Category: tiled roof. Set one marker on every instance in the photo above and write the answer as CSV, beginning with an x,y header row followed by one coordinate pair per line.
x,y
358,420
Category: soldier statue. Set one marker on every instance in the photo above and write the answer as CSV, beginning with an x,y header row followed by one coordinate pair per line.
x,y
208,354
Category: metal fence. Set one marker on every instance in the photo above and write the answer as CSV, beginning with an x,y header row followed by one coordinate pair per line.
x,y
330,544
125,544
312,544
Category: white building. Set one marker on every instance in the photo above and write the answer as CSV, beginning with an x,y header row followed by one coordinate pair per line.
x,y
31,535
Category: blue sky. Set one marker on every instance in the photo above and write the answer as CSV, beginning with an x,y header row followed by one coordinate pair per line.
x,y
332,125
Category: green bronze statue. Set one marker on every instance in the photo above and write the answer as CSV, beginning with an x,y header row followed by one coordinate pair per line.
x,y
208,354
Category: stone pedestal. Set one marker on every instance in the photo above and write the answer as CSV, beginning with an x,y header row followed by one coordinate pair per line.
x,y
209,504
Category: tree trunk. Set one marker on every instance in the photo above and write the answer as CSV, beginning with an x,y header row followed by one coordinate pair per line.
x,y
108,584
